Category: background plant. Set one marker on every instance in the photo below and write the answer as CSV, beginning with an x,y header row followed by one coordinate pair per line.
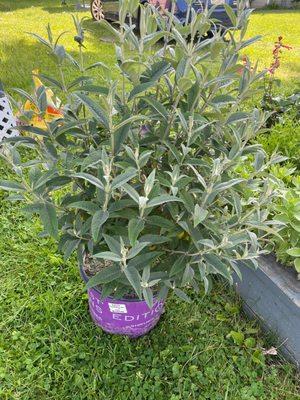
x,y
287,211
142,170
284,138
277,104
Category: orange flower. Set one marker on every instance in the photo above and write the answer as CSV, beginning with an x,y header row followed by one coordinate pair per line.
x,y
53,110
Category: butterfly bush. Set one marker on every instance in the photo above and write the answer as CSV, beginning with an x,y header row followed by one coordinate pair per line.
x,y
144,170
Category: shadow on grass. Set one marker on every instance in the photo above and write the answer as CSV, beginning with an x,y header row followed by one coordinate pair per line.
x,y
65,8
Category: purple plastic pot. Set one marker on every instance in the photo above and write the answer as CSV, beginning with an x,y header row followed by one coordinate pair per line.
x,y
131,317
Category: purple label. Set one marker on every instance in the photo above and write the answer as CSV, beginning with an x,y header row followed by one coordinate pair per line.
x,y
130,318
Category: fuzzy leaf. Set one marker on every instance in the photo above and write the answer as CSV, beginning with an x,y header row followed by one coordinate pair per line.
x,y
123,178
108,255
164,198
89,178
49,219
218,265
87,206
136,249
135,227
134,279
199,215
106,275
99,218
11,186
148,296
99,113
182,295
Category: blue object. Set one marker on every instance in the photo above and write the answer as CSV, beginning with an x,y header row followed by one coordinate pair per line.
x,y
182,5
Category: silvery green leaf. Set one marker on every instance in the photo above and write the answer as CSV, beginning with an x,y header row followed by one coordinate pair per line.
x,y
250,41
259,160
214,261
153,282
99,218
223,99
140,89
226,185
148,296
97,65
161,222
207,284
141,260
199,215
106,275
113,244
146,274
198,175
238,117
134,279
178,265
130,153
154,239
89,178
70,246
91,160
135,227
15,197
231,14
157,107
207,242
49,219
188,275
131,192
11,186
98,112
120,180
144,157
87,206
108,27
235,267
164,198
163,293
108,255
136,249
156,70
129,121
182,295
149,182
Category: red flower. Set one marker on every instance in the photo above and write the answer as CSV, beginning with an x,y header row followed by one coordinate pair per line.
x,y
276,54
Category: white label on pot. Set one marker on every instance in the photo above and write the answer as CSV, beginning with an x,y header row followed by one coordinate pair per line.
x,y
117,308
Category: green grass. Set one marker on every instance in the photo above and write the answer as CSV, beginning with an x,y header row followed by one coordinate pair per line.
x,y
49,347
271,24
19,53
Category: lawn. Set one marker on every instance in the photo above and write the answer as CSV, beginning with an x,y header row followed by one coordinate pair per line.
x,y
19,54
49,347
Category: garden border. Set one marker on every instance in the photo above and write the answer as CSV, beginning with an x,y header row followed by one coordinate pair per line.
x,y
271,294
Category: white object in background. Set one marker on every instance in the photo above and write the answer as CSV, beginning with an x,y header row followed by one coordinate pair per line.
x,y
7,119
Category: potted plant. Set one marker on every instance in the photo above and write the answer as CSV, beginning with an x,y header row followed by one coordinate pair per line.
x,y
142,176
